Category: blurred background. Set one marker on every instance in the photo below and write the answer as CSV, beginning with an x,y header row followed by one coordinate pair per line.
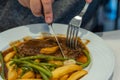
x,y
106,17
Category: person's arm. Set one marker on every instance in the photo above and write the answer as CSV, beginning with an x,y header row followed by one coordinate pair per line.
x,y
36,7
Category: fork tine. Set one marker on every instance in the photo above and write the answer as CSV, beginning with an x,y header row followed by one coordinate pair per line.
x,y
72,33
68,36
73,28
76,38
73,37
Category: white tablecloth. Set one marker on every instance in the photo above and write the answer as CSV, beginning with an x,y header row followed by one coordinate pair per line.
x,y
112,38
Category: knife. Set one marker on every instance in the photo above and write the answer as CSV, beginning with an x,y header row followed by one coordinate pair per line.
x,y
54,34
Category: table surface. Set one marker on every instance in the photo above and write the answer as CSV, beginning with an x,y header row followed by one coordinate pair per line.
x,y
112,38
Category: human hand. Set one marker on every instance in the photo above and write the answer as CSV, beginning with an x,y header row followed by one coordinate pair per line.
x,y
36,7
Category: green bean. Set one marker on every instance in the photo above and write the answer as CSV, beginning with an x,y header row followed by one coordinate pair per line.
x,y
12,63
79,63
26,67
15,49
49,74
48,64
88,57
44,76
23,72
41,56
44,64
2,63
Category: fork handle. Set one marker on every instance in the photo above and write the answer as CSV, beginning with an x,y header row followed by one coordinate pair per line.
x,y
84,9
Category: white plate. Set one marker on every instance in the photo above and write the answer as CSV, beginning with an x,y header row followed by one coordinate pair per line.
x,y
102,55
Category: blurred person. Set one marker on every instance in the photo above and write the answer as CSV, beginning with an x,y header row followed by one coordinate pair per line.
x,y
13,14
110,15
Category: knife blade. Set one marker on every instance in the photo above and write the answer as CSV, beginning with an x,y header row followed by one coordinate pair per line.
x,y
54,34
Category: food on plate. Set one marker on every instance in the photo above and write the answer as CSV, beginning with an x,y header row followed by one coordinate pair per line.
x,y
61,71
40,58
77,74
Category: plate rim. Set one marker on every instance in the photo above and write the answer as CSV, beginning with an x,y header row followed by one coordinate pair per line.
x,y
66,25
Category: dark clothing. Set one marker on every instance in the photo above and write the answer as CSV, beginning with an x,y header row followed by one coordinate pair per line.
x,y
12,14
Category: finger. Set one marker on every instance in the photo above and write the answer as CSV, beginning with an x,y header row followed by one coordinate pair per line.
x,y
47,7
25,3
88,1
35,6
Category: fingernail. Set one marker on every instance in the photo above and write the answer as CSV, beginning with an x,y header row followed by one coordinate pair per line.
x,y
48,20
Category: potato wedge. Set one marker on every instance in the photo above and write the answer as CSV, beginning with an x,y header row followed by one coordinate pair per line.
x,y
65,77
28,75
12,74
77,75
9,56
49,50
10,67
61,71
58,63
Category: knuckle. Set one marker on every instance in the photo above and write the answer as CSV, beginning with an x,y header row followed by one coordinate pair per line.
x,y
47,6
36,11
48,12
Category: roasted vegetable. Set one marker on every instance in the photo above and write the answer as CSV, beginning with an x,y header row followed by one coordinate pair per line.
x,y
57,63
77,75
28,75
65,77
46,57
41,59
49,50
9,56
39,68
12,74
88,59
61,71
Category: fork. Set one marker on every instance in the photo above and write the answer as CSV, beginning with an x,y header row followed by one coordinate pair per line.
x,y
73,28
